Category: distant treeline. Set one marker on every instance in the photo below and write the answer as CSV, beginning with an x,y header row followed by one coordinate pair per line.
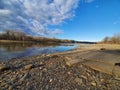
x,y
115,39
21,36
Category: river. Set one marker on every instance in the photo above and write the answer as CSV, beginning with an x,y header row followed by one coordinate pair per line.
x,y
18,50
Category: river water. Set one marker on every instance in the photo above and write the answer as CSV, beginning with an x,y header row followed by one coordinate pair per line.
x,y
17,50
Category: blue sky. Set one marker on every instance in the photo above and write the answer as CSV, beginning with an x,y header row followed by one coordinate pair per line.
x,y
83,20
93,21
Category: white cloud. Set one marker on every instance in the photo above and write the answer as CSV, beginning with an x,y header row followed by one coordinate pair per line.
x,y
36,15
4,11
57,31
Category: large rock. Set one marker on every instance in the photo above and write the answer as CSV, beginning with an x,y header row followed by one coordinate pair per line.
x,y
3,67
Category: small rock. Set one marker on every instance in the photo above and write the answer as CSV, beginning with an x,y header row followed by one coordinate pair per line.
x,y
69,73
63,66
4,67
27,83
84,77
78,80
59,80
45,69
38,57
47,87
41,63
48,55
89,71
28,67
102,80
43,55
24,77
102,48
10,88
93,84
117,64
50,80
68,58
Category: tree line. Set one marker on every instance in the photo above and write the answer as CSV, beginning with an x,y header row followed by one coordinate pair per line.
x,y
115,39
21,36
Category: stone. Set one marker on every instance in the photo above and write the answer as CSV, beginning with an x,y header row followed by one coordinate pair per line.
x,y
41,63
37,57
24,77
84,77
45,69
69,73
102,48
48,55
47,87
78,80
68,58
43,55
4,67
28,67
102,80
10,88
50,80
93,84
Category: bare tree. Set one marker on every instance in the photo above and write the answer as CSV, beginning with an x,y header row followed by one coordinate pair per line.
x,y
115,39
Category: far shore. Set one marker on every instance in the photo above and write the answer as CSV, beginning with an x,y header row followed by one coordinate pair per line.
x,y
27,42
13,41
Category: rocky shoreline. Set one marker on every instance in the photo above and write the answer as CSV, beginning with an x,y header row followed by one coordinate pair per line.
x,y
52,72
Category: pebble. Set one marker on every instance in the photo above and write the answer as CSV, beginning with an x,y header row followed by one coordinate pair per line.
x,y
3,67
56,77
93,83
10,88
102,80
50,80
69,73
28,67
45,69
68,58
24,77
78,80
102,48
47,87
84,77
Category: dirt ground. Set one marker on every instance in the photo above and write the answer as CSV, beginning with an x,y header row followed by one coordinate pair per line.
x,y
88,67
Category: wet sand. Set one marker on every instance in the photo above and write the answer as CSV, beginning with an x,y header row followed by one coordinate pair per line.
x,y
88,67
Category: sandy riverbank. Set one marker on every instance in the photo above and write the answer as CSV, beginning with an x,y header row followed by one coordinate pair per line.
x,y
79,69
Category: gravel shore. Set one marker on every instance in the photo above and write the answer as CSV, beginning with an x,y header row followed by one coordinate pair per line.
x,y
51,72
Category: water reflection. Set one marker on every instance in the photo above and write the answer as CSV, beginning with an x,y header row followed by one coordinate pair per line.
x,y
18,50
21,46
